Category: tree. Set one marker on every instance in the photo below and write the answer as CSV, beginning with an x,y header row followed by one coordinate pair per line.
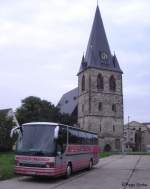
x,y
34,109
68,119
6,124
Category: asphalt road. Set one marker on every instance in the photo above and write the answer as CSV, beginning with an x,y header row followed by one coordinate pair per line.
x,y
115,172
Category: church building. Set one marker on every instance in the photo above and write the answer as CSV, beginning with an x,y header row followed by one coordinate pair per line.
x,y
98,99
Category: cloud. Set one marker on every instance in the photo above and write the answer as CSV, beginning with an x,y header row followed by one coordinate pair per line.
x,y
125,13
42,42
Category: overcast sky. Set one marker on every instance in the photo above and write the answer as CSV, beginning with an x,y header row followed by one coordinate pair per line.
x,y
42,42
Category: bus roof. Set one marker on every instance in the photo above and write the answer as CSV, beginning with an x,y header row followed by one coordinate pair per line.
x,y
57,124
40,123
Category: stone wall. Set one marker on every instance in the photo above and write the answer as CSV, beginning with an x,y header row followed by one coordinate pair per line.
x,y
106,122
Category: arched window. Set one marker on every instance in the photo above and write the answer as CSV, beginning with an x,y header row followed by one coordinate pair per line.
x,y
113,128
112,83
100,82
83,83
114,108
99,106
100,128
82,108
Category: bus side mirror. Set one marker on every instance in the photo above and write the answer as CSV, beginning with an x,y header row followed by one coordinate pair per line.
x,y
56,131
15,130
59,153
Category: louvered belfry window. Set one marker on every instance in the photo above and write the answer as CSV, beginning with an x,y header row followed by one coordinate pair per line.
x,y
112,83
83,83
100,82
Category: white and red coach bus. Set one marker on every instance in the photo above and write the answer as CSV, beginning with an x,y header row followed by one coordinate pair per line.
x,y
51,149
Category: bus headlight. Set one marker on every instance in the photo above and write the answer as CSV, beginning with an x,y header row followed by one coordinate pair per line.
x,y
17,163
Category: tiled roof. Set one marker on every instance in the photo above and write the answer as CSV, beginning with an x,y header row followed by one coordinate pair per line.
x,y
148,123
5,111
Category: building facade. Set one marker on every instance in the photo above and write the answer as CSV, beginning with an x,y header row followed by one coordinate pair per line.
x,y
129,142
136,136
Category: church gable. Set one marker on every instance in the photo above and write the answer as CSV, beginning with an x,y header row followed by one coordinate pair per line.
x,y
68,102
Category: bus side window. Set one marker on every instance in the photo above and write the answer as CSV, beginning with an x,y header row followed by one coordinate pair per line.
x,y
69,136
90,138
95,139
73,136
76,137
87,138
83,137
62,139
80,137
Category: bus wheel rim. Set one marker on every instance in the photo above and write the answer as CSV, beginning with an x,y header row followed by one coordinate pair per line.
x,y
68,170
90,165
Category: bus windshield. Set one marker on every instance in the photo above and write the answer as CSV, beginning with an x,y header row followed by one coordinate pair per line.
x,y
37,140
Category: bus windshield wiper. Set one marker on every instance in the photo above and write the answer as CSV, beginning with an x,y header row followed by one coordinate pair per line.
x,y
36,152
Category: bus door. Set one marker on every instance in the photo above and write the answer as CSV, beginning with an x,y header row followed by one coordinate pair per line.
x,y
60,148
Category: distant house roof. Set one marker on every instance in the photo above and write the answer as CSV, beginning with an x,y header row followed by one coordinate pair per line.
x,y
136,125
148,123
5,111
68,101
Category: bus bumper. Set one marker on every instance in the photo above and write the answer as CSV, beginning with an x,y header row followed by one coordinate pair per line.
x,y
28,171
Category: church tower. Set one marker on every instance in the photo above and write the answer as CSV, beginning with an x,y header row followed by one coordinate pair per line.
x,y
100,102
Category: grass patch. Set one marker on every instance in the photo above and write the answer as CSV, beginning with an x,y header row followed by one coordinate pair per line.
x,y
6,165
105,154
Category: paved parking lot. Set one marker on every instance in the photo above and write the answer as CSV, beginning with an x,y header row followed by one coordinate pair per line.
x,y
115,172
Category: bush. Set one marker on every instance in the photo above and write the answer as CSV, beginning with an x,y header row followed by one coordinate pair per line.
x,y
6,124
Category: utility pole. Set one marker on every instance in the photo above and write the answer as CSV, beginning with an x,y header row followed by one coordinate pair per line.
x,y
128,133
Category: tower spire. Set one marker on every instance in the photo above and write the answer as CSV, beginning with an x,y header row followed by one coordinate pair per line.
x,y
97,3
98,54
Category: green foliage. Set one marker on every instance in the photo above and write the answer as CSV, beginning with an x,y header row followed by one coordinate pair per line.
x,y
6,124
34,109
105,154
6,165
67,119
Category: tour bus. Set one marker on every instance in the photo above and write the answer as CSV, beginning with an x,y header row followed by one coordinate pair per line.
x,y
52,149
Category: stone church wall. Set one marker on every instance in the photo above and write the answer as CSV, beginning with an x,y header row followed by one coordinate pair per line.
x,y
107,123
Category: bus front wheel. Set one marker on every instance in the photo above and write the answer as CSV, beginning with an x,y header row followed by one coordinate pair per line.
x,y
68,171
90,164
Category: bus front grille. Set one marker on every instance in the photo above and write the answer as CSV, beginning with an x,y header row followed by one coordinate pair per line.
x,y
32,165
